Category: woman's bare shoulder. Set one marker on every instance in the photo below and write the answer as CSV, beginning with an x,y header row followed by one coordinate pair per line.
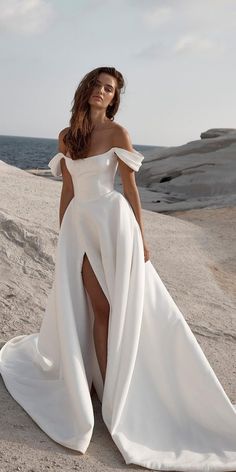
x,y
63,132
61,144
121,137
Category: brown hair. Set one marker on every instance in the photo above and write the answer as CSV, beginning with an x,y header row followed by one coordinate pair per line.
x,y
77,138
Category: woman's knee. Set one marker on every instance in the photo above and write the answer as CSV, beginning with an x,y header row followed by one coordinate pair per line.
x,y
101,310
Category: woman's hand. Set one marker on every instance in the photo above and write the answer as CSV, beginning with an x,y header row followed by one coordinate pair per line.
x,y
146,252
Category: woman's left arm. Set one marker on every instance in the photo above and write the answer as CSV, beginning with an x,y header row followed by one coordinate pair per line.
x,y
127,175
131,193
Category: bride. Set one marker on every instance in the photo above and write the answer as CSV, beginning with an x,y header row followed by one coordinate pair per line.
x,y
109,320
105,133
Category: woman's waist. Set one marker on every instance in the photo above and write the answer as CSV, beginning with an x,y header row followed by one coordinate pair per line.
x,y
85,190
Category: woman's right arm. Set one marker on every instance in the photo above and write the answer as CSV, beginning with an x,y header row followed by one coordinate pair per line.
x,y
67,192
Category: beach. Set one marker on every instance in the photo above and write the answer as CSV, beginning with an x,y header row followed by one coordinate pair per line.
x,y
191,237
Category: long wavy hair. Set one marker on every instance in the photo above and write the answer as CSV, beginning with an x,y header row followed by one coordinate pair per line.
x,y
77,138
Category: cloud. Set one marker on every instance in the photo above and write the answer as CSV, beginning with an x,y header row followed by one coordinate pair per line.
x,y
25,16
189,43
157,16
153,51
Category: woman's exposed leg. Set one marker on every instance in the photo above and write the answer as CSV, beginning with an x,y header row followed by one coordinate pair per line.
x,y
101,310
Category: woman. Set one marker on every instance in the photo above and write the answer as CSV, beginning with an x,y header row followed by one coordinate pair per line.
x,y
96,102
109,319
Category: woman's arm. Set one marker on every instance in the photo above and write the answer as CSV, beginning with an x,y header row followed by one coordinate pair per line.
x,y
131,192
67,192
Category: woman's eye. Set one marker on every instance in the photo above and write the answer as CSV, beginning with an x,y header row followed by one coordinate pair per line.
x,y
106,88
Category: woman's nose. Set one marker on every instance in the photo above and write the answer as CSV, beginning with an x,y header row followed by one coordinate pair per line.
x,y
99,88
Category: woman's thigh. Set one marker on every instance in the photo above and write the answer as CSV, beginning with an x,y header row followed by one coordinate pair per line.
x,y
98,299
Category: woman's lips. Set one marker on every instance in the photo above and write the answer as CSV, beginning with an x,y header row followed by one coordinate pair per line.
x,y
95,96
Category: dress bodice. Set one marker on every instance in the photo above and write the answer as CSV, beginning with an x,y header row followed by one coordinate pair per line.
x,y
94,176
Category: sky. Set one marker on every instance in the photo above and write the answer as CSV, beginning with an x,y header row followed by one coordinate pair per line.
x,y
177,58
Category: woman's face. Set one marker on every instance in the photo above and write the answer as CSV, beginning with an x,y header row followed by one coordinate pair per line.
x,y
103,91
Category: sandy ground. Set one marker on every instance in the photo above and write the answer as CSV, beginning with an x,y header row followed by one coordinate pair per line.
x,y
219,240
194,253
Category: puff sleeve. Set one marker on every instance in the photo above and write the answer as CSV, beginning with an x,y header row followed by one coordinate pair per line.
x,y
55,164
132,158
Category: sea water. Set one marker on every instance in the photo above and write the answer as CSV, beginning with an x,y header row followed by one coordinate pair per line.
x,y
34,153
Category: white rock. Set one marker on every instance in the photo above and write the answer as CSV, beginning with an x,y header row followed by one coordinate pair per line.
x,y
215,132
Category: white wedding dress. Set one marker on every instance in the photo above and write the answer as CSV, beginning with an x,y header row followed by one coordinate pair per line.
x,y
161,402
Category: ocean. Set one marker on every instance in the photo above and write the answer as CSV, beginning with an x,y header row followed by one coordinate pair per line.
x,y
35,153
